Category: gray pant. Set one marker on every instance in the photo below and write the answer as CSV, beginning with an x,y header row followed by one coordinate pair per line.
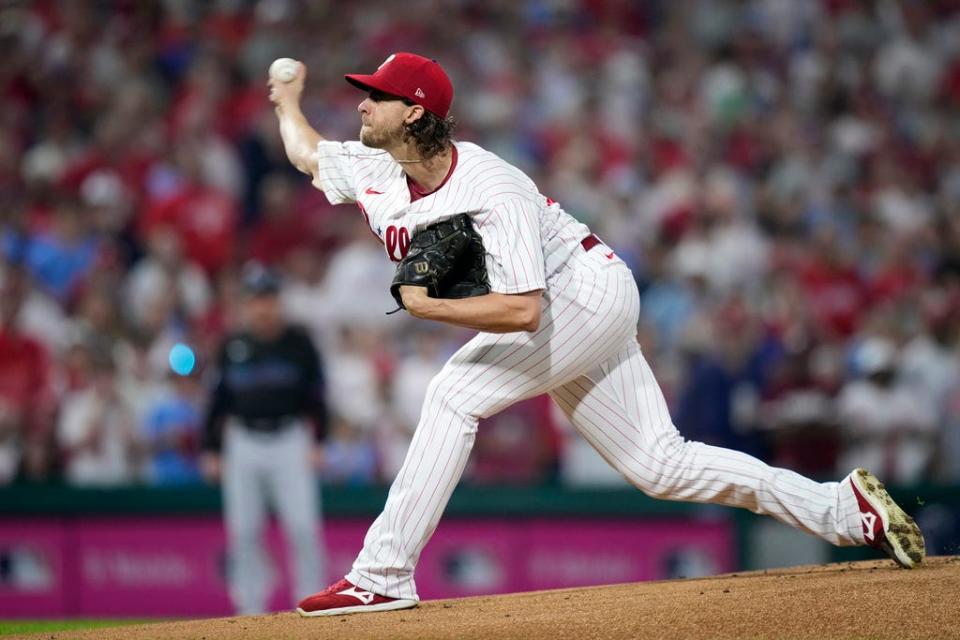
x,y
274,468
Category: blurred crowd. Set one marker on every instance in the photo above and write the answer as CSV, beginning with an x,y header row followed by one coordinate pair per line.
x,y
783,177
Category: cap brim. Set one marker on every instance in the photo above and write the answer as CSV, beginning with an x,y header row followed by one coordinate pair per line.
x,y
367,82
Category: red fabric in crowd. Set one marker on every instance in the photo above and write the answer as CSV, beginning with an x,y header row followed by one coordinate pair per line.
x,y
204,218
24,376
836,296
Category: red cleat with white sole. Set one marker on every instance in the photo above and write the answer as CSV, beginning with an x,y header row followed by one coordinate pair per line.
x,y
345,597
885,525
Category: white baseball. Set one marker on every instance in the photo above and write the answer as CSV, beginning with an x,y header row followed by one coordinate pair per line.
x,y
284,69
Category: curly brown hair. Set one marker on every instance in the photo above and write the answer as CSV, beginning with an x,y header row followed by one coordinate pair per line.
x,y
431,133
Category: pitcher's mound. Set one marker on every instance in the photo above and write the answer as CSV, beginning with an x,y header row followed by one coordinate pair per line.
x,y
854,600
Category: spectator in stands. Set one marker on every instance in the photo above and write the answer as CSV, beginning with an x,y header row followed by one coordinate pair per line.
x,y
349,457
10,443
357,393
26,398
172,430
730,356
39,315
520,445
833,286
931,369
885,425
304,296
797,412
282,228
141,378
670,301
164,270
203,216
97,432
98,321
357,281
62,257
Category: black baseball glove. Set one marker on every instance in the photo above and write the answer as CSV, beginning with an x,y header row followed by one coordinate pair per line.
x,y
447,258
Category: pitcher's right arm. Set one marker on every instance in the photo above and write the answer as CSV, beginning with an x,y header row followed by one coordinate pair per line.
x,y
299,138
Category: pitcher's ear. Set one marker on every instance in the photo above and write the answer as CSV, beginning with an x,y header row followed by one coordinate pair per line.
x,y
415,113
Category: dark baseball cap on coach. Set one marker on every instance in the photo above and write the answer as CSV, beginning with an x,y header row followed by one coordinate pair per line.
x,y
420,80
258,280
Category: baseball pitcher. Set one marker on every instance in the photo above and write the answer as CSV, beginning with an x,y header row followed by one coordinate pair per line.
x,y
478,246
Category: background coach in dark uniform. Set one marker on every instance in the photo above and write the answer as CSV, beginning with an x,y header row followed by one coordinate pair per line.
x,y
265,420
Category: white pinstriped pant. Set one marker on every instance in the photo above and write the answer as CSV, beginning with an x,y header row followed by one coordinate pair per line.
x,y
586,356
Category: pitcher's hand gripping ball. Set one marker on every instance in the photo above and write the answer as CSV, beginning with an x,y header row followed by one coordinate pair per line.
x,y
447,258
284,69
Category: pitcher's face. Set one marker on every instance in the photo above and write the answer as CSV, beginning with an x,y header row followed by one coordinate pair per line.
x,y
382,119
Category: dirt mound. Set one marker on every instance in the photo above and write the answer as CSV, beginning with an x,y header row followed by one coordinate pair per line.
x,y
853,600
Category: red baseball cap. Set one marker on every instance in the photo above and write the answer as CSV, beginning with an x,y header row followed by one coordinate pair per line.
x,y
420,80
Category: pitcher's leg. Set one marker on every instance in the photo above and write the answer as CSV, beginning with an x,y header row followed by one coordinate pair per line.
x,y
434,464
620,410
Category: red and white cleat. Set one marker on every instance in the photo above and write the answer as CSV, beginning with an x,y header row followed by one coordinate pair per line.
x,y
885,525
344,597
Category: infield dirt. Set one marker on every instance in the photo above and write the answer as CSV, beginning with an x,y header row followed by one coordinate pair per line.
x,y
853,600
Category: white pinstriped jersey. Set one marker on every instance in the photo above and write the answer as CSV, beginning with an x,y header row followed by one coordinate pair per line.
x,y
528,237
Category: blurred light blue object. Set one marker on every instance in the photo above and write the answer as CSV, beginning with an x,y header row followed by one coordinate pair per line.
x,y
182,359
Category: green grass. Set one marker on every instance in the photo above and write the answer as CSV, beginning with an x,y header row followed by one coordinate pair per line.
x,y
13,627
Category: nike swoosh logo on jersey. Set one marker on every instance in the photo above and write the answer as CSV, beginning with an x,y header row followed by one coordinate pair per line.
x,y
363,596
372,192
610,256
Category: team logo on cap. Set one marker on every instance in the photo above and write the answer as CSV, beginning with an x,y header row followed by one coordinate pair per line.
x,y
419,93
385,62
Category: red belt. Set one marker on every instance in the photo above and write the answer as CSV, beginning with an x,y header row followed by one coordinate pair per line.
x,y
590,242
